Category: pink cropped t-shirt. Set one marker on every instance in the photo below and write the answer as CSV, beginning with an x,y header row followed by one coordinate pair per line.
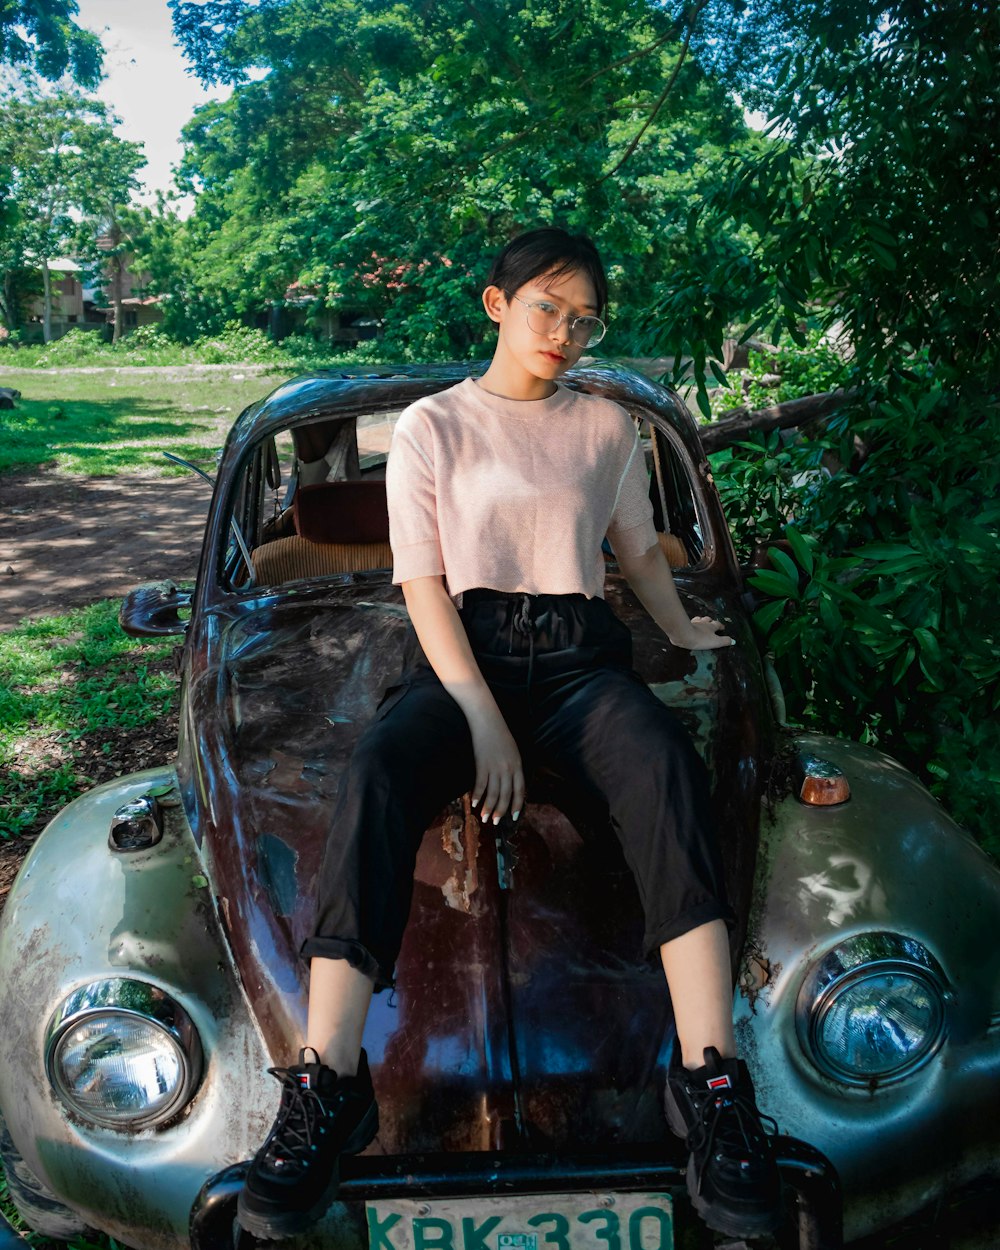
x,y
515,495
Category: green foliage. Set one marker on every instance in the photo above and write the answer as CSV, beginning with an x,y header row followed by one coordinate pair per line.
x,y
41,35
877,209
879,199
388,151
874,604
77,347
151,345
62,679
809,370
67,176
238,343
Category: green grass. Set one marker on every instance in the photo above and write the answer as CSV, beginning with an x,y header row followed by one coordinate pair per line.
x,y
74,692
109,423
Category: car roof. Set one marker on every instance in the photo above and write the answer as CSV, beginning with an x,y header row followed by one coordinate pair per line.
x,y
329,394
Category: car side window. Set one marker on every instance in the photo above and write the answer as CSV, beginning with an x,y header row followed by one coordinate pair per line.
x,y
673,496
311,504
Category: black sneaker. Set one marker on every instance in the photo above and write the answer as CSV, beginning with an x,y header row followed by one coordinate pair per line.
x,y
732,1173
295,1174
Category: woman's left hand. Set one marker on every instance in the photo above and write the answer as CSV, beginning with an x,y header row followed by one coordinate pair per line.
x,y
702,634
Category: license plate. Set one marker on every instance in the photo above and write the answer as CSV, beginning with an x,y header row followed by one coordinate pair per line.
x,y
586,1221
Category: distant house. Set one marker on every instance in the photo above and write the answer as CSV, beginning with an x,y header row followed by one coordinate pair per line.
x,y
302,311
72,302
122,285
79,301
137,310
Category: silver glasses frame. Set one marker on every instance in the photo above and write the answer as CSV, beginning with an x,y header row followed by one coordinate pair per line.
x,y
598,333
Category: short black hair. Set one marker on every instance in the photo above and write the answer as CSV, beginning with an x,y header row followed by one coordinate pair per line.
x,y
549,250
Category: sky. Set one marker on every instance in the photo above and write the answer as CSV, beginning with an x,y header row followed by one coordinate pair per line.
x,y
147,85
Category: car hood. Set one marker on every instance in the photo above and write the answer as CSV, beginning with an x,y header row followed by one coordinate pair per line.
x,y
522,1007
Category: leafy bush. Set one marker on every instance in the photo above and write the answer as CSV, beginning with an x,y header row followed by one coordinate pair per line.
x,y
874,605
77,347
146,338
766,480
236,344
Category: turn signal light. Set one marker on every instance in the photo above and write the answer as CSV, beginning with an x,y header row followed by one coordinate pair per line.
x,y
823,784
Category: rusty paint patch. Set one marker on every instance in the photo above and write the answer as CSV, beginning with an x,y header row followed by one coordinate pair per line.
x,y
460,841
757,975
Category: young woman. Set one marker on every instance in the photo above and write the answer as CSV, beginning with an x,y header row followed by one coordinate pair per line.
x,y
501,491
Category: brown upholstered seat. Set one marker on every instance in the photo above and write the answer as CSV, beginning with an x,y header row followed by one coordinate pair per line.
x,y
343,527
674,550
342,512
291,559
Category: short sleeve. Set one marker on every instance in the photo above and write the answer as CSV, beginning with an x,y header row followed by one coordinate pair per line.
x,y
412,502
630,530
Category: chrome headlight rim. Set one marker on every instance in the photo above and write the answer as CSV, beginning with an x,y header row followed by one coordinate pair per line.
x,y
117,997
853,961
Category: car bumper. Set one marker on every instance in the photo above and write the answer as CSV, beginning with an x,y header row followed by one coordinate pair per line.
x,y
811,1177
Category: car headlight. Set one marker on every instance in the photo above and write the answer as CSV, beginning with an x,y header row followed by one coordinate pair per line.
x,y
123,1054
873,1009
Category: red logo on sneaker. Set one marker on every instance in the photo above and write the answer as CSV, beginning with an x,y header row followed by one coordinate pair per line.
x,y
306,1083
720,1082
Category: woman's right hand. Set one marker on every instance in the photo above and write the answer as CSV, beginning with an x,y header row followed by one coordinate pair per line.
x,y
499,784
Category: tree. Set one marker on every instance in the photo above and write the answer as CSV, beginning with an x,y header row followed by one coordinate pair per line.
x,y
877,212
41,35
70,174
110,229
388,150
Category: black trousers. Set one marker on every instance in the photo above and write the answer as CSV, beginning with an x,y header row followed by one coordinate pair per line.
x,y
560,668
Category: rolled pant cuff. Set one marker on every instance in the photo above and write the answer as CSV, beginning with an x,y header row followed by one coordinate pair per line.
x,y
357,956
693,918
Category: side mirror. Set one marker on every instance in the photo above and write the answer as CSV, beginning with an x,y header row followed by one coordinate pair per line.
x,y
153,610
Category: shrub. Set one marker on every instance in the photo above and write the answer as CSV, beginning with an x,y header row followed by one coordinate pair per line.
x,y
77,347
876,608
237,343
808,370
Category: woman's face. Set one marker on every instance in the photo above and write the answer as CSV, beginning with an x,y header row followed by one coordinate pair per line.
x,y
547,355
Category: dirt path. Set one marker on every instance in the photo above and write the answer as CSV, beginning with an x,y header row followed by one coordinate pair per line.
x,y
66,541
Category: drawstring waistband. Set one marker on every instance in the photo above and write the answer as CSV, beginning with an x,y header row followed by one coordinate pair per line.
x,y
531,636
521,621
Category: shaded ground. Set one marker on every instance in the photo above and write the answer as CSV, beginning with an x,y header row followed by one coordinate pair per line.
x,y
103,755
66,540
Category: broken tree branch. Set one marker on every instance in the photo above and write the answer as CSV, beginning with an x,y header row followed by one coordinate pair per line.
x,y
737,423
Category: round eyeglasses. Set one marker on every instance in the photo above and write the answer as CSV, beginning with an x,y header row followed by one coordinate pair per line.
x,y
544,317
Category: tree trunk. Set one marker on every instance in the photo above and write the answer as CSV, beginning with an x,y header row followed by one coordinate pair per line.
x,y
737,423
47,303
8,303
117,268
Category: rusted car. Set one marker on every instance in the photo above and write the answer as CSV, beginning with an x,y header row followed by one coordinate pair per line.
x,y
149,967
